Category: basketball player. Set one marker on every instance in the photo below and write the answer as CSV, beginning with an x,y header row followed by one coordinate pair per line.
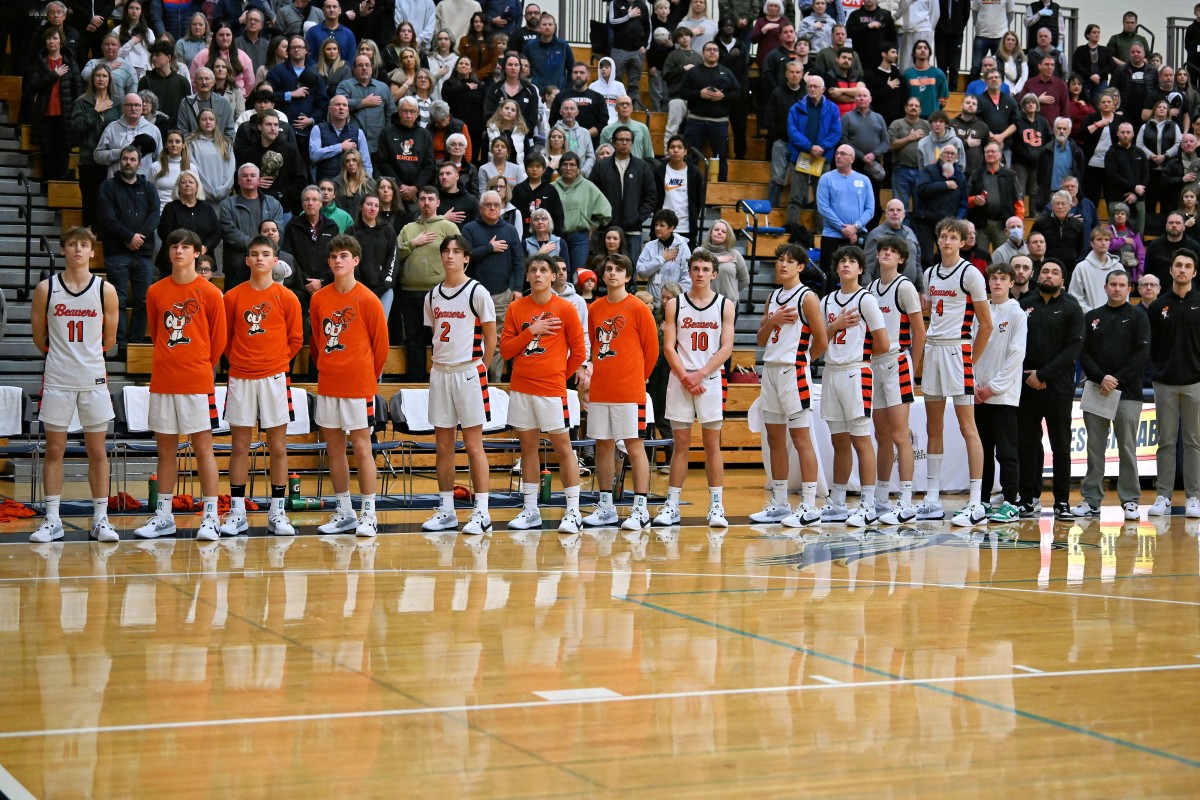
x,y
625,348
893,374
857,333
266,330
463,318
543,338
697,341
74,319
349,345
792,333
187,326
957,297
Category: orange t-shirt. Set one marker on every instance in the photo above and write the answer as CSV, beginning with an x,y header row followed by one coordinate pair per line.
x,y
349,341
186,322
541,365
266,330
624,349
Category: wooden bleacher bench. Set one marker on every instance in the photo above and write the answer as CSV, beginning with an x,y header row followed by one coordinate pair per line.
x,y
63,194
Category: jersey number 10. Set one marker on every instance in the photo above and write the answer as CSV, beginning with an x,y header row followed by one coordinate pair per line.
x,y
699,341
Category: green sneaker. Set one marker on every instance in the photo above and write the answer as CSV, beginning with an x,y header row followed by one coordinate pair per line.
x,y
1007,512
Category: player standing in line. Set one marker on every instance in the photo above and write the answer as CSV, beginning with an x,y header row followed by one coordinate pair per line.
x,y
350,345
462,316
187,326
697,341
543,338
894,373
792,335
266,331
74,319
957,296
856,333
625,347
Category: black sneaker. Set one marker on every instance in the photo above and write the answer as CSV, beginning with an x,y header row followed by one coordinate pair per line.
x,y
1063,512
1028,510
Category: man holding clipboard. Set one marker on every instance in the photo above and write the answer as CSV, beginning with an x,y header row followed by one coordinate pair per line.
x,y
1116,344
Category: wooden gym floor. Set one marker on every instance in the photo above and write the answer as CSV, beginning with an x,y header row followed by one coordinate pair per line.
x,y
1019,661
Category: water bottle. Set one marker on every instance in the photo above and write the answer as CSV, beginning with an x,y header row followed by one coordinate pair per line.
x,y
293,486
305,503
545,493
152,486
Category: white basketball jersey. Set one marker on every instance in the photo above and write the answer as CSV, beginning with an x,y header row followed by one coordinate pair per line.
x,y
456,315
788,344
898,303
75,334
852,345
952,299
698,331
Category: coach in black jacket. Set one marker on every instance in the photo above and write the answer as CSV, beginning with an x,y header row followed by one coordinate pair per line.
x,y
1126,175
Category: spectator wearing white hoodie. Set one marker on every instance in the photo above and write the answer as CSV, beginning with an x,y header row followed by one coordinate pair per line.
x,y
1089,275
608,87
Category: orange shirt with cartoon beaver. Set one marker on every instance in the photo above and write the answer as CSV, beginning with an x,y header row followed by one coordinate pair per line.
x,y
186,323
542,364
266,330
349,341
624,349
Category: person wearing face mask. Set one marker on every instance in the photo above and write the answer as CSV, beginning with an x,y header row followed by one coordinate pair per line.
x,y
1015,244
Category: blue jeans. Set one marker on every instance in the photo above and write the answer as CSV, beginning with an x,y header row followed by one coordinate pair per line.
x,y
904,184
386,299
577,251
716,135
125,269
981,48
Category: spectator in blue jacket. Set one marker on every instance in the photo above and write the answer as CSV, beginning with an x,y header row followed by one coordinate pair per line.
x,y
941,192
299,92
814,129
502,15
845,204
550,57
330,28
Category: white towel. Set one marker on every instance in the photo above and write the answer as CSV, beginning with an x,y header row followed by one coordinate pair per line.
x,y
137,408
11,400
301,424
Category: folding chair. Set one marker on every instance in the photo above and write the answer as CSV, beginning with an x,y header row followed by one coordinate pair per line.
x,y
131,405
409,413
20,426
652,446
754,210
303,405
77,448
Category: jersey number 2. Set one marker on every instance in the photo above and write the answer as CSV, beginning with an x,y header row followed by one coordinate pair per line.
x,y
445,337
75,331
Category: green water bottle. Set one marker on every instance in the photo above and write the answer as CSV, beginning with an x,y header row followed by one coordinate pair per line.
x,y
293,487
152,486
545,493
305,503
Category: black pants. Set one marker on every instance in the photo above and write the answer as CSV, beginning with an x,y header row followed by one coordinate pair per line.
x,y
417,337
948,49
998,433
829,246
90,178
55,155
1055,409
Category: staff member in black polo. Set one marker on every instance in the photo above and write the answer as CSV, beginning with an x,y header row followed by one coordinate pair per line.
x,y
1175,354
1053,342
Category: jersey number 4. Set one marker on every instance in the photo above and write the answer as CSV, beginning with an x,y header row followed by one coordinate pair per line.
x,y
75,331
938,309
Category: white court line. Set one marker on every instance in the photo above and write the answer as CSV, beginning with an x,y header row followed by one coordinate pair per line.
x,y
464,709
825,680
12,788
1024,668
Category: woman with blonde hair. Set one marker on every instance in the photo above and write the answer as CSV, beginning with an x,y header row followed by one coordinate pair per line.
x,y
368,48
508,123
198,36
1014,67
224,85
508,212
93,111
330,65
187,209
442,59
732,276
556,148
353,183
404,75
172,161
211,155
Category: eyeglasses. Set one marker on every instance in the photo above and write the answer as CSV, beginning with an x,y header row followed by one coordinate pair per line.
x,y
204,270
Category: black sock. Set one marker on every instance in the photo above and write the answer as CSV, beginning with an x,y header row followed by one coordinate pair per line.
x,y
278,491
237,490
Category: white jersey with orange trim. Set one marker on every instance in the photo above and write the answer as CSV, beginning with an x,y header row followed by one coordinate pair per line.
x,y
698,330
953,296
851,346
898,302
456,314
75,336
788,344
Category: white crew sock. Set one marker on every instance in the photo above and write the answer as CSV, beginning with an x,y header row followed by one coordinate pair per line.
x,y
210,507
277,506
838,496
906,493
53,501
572,495
530,493
933,470
808,493
868,498
673,495
481,502
99,509
976,486
715,495
238,505
447,501
368,504
344,503
883,491
165,505
779,493
606,500
639,501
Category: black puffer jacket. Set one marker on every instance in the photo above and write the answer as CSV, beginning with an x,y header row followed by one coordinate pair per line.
x,y
377,267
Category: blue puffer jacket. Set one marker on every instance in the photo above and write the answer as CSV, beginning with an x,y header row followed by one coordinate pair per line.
x,y
828,134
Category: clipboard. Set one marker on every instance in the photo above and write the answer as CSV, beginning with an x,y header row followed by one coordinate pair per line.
x,y
810,166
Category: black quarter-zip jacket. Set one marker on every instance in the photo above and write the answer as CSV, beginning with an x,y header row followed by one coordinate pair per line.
x,y
1175,337
1117,342
1054,339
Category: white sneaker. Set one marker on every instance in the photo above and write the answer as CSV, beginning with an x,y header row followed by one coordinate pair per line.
x,y
835,513
772,512
234,524
48,531
280,525
862,517
882,507
442,520
209,530
367,526
1084,509
1160,508
931,509
156,527
571,522
340,522
716,516
1131,511
902,514
103,531
1192,509
602,517
971,514
528,518
803,517
638,518
478,524
668,515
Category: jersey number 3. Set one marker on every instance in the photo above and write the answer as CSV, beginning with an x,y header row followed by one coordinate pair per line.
x,y
75,331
